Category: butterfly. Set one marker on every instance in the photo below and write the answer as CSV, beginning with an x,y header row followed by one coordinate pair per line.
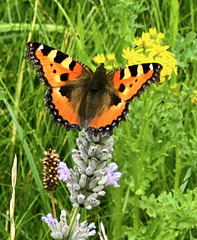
x,y
79,98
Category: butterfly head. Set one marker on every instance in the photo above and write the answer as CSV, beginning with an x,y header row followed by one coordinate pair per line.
x,y
98,78
101,69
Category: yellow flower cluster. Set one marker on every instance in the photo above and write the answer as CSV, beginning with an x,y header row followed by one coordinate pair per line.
x,y
110,62
149,49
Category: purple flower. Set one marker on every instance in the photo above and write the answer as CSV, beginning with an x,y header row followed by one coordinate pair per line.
x,y
49,219
64,172
59,230
113,176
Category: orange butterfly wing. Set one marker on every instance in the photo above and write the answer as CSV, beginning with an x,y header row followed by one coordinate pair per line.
x,y
128,84
131,81
54,67
58,70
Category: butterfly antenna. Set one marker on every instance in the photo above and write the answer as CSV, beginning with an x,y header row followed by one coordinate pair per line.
x,y
84,52
78,36
83,45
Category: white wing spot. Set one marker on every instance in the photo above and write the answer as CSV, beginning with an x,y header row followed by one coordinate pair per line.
x,y
41,47
151,66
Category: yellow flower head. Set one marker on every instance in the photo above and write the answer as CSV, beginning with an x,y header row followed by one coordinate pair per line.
x,y
147,40
110,61
145,36
194,100
111,56
158,50
160,35
99,58
153,31
138,41
174,86
133,56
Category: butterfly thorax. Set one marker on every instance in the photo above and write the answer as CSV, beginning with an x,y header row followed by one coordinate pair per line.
x,y
96,97
98,79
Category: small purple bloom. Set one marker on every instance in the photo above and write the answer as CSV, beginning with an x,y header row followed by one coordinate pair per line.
x,y
49,219
113,176
59,230
64,172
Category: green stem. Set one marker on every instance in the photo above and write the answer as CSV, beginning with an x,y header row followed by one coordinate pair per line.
x,y
174,20
83,214
192,15
73,218
19,83
173,28
136,210
138,173
177,170
117,211
126,200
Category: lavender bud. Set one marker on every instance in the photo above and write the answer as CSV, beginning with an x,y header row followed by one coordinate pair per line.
x,y
75,205
93,163
103,180
76,186
89,171
98,188
101,193
92,151
91,202
100,173
80,198
82,181
101,165
88,207
93,183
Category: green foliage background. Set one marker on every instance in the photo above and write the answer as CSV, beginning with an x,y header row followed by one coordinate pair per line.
x,y
156,147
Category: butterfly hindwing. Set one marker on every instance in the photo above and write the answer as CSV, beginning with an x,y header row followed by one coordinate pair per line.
x,y
61,109
129,82
110,118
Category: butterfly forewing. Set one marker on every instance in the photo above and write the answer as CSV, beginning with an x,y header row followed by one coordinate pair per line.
x,y
131,81
54,67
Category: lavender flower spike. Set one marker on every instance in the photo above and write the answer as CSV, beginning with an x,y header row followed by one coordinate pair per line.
x,y
90,175
61,231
